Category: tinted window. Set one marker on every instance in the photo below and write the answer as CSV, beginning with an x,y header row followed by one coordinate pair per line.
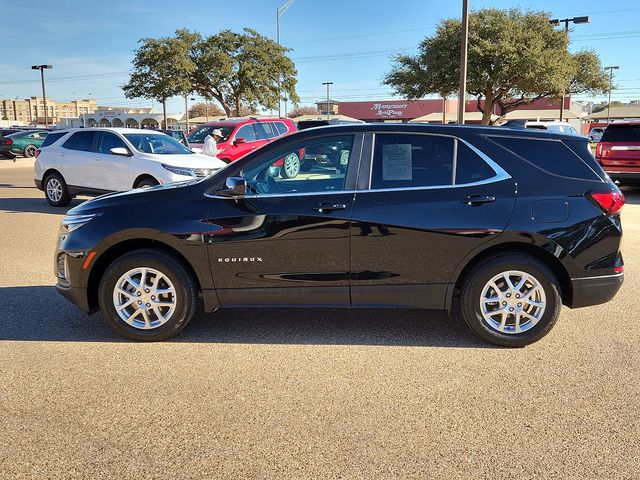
x,y
200,134
412,161
281,128
81,141
265,130
109,141
552,156
247,132
52,138
159,144
470,167
326,160
621,133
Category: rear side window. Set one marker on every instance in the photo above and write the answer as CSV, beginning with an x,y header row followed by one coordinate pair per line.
x,y
52,138
621,133
551,156
265,130
412,161
470,167
82,141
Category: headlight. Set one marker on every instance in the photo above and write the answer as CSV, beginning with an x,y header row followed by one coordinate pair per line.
x,y
72,222
190,172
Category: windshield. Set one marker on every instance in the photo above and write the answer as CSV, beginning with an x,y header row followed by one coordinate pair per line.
x,y
156,144
199,135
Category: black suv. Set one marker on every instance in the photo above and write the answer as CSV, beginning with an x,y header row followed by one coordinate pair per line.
x,y
505,225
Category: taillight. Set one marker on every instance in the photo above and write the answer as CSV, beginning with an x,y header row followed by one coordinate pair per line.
x,y
610,202
7,141
599,150
37,152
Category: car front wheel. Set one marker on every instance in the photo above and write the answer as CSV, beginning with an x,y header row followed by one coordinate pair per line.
x,y
147,295
56,191
511,299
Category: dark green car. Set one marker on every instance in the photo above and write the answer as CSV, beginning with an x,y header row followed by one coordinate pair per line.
x,y
22,143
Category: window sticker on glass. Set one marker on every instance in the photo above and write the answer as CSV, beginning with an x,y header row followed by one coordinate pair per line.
x,y
396,162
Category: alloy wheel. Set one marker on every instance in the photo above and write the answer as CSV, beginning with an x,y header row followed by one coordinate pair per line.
x,y
54,190
291,165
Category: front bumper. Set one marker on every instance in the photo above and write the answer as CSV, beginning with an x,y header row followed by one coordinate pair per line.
x,y
38,183
595,290
77,296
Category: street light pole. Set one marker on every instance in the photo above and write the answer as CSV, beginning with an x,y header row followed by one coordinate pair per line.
x,y
327,84
279,12
463,61
44,95
566,21
186,113
611,69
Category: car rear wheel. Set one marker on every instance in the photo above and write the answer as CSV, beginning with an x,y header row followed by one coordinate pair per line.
x,y
146,183
56,191
147,295
30,151
290,166
511,300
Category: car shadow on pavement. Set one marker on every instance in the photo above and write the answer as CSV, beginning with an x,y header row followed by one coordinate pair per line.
x,y
34,205
39,313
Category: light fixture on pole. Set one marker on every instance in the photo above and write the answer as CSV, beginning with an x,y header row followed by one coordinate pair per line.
x,y
464,45
327,84
557,21
44,95
279,12
611,69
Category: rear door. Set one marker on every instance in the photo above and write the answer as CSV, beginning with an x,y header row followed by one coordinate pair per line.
x,y
428,201
77,160
619,149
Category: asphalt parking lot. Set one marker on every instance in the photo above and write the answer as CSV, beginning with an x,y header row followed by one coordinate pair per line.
x,y
298,393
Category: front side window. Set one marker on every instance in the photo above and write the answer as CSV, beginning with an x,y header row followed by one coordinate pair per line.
x,y
158,144
109,141
82,141
247,132
319,165
412,161
201,133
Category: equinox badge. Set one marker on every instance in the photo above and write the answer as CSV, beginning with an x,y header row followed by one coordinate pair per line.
x,y
239,259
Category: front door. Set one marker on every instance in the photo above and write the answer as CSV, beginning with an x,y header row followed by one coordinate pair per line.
x,y
432,200
114,169
245,140
287,241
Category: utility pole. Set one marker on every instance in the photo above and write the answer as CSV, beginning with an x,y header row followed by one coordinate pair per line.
x,y
566,21
186,113
279,12
327,84
44,94
611,69
463,61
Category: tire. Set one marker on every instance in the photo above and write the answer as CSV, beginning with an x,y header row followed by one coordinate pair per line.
x,y
146,182
290,166
536,321
161,322
56,191
343,161
29,151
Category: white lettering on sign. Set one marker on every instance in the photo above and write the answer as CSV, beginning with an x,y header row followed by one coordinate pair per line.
x,y
389,109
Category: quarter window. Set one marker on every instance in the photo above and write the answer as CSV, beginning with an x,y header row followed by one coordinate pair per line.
x,y
318,165
470,167
247,132
82,141
412,161
281,128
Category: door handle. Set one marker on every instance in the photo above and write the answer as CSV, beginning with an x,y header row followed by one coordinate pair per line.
x,y
327,207
475,200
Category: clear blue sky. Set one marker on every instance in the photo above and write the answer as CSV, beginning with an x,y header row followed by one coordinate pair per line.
x,y
348,42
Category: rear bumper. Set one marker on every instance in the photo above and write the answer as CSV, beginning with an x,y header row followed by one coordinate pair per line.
x,y
595,290
624,176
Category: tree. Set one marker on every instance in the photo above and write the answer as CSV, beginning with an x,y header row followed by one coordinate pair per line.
x,y
601,106
240,71
200,110
299,111
161,70
514,59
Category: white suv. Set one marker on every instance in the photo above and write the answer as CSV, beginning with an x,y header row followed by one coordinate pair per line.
x,y
100,160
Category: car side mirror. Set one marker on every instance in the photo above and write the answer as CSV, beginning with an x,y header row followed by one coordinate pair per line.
x,y
120,151
234,187
239,140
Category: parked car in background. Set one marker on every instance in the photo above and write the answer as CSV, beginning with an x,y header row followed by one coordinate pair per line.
x,y
619,151
242,135
557,127
176,134
7,131
505,225
24,143
595,134
99,160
